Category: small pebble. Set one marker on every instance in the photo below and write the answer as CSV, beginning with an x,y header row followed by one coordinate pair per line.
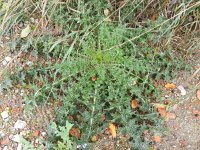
x,y
16,138
182,90
8,59
43,133
4,62
23,133
2,134
20,124
4,114
174,107
7,38
5,148
21,25
32,19
19,147
166,96
17,91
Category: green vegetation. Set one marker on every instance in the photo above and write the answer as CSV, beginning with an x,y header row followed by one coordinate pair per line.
x,y
95,56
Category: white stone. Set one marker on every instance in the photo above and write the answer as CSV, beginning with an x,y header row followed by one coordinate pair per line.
x,y
182,89
5,148
16,138
2,134
8,59
4,62
4,114
20,124
19,147
43,133
16,91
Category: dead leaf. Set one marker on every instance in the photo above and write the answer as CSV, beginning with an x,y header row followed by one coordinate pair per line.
x,y
134,104
112,130
5,141
94,138
196,102
153,17
162,112
75,132
36,133
25,32
16,110
161,108
170,86
157,139
94,78
198,94
196,112
169,116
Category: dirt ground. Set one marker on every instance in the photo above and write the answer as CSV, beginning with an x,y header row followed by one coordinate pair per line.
x,y
182,133
15,122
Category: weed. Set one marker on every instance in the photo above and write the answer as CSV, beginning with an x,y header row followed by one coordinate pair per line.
x,y
94,64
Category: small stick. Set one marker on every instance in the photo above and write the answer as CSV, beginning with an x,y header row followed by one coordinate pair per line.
x,y
194,74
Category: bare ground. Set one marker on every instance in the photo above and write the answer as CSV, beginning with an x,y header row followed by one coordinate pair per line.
x,y
183,133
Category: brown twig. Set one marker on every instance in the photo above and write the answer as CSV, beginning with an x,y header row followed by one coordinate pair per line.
x,y
194,74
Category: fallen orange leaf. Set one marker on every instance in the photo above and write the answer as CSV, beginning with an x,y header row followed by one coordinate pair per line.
x,y
75,132
196,112
36,133
170,86
112,130
153,17
16,110
161,108
134,104
162,112
157,139
5,141
198,94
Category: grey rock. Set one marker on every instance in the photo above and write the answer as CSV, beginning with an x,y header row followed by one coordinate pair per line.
x,y
16,138
4,62
182,90
8,59
4,114
20,124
